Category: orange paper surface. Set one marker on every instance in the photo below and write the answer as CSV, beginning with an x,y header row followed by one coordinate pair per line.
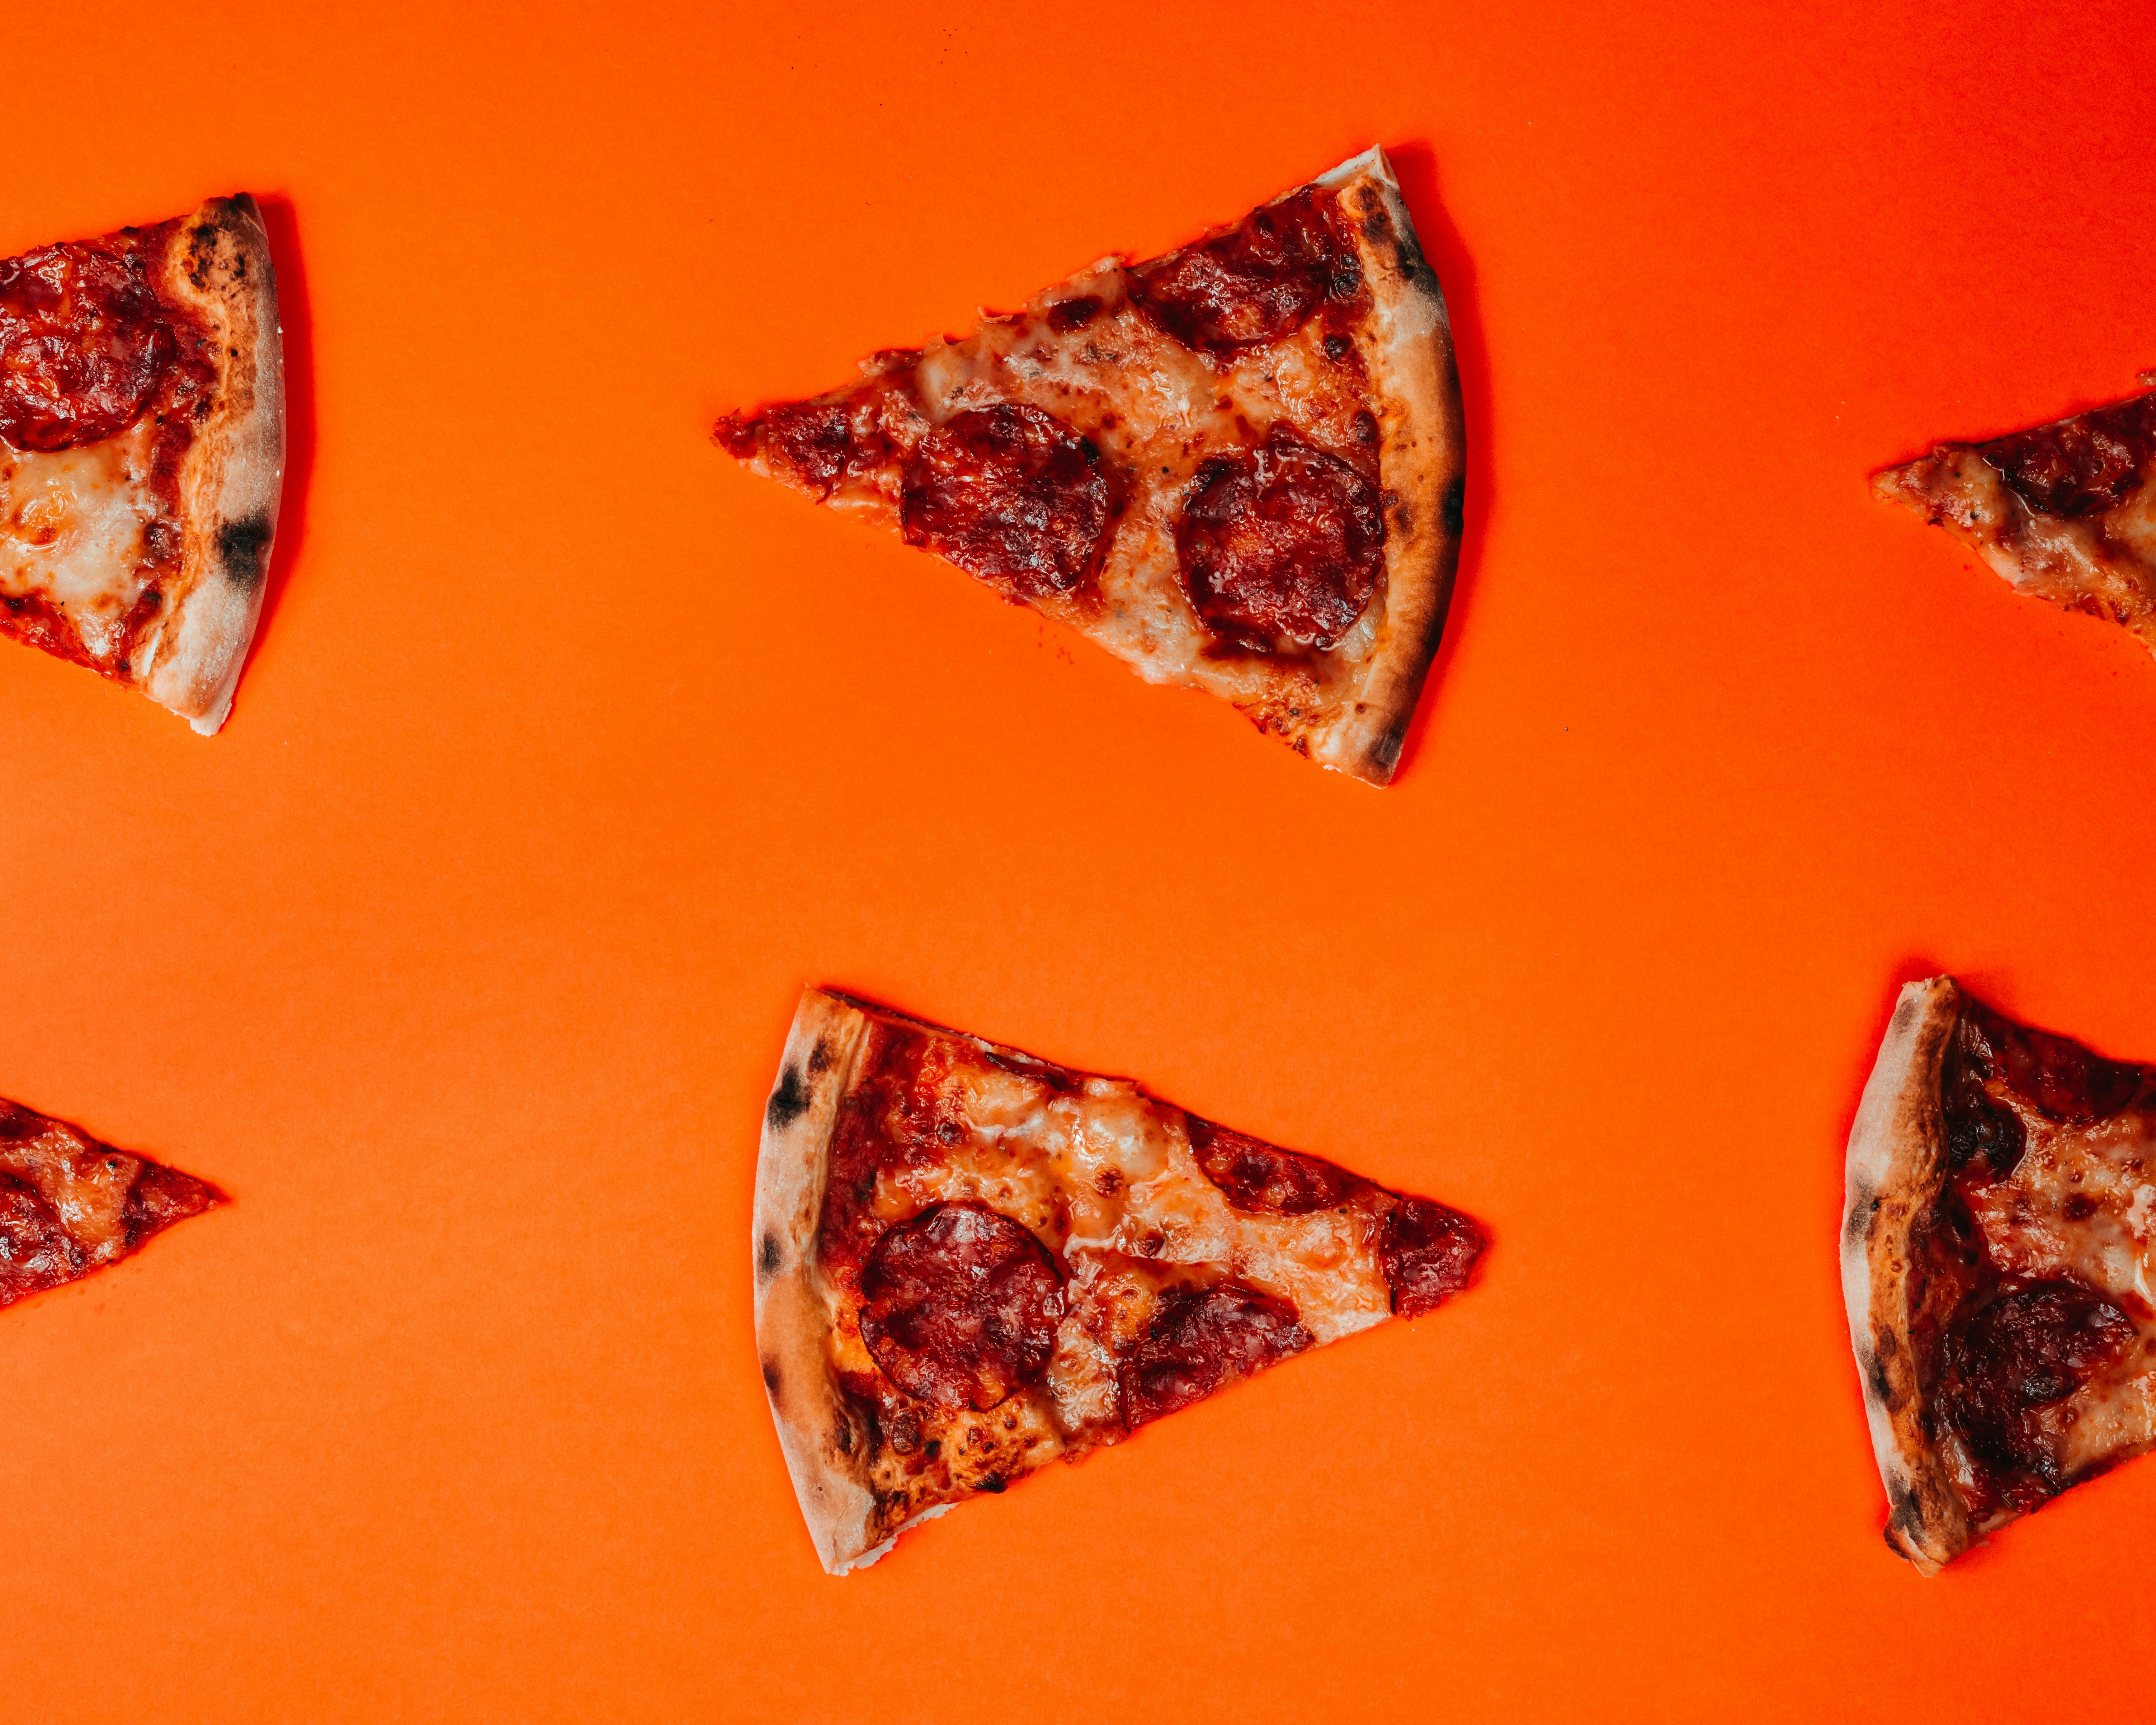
x,y
568,753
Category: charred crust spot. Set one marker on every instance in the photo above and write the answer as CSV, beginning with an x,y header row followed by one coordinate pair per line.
x,y
993,1482
771,1377
842,1435
1385,751
820,1058
1339,346
788,1102
1452,507
767,1256
240,548
1905,1511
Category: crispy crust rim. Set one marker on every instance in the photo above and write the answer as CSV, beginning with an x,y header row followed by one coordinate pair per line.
x,y
818,1431
219,267
1895,1171
1423,461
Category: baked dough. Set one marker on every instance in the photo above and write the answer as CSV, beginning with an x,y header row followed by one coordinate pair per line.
x,y
1423,459
1895,1171
233,480
1023,1263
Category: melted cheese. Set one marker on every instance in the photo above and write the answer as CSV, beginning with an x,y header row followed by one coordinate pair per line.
x,y
1107,1178
2102,563
1159,410
71,533
2082,1205
85,1183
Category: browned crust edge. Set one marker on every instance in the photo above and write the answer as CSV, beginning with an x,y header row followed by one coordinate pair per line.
x,y
219,267
818,1430
1422,464
1895,1172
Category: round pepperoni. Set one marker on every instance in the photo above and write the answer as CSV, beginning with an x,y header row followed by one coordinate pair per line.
x,y
1201,1338
1428,1253
818,442
1281,540
1255,283
2060,1077
1254,1175
2080,466
2018,1356
1012,494
960,1306
83,346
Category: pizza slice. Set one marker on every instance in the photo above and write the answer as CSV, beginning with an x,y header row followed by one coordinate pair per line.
x,y
142,451
970,1263
70,1204
1996,1253
1238,467
2063,511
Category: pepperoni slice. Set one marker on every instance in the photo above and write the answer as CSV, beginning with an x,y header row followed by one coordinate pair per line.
x,y
1257,282
35,1250
817,443
1281,540
1201,1338
2080,466
84,345
2055,1074
2020,1354
1979,1130
1428,1253
962,1305
1012,494
1254,1175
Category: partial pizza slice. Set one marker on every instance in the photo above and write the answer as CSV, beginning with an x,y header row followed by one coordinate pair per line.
x,y
970,1263
142,451
70,1204
1996,1257
2063,511
1239,467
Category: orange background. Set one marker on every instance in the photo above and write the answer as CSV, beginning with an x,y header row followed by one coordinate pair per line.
x,y
568,753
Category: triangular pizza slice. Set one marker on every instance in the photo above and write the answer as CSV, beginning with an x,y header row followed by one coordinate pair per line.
x,y
2063,511
1997,1255
142,451
1239,467
970,1263
70,1204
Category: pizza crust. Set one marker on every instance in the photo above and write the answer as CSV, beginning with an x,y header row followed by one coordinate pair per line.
x,y
219,267
826,1450
1895,1171
1422,468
